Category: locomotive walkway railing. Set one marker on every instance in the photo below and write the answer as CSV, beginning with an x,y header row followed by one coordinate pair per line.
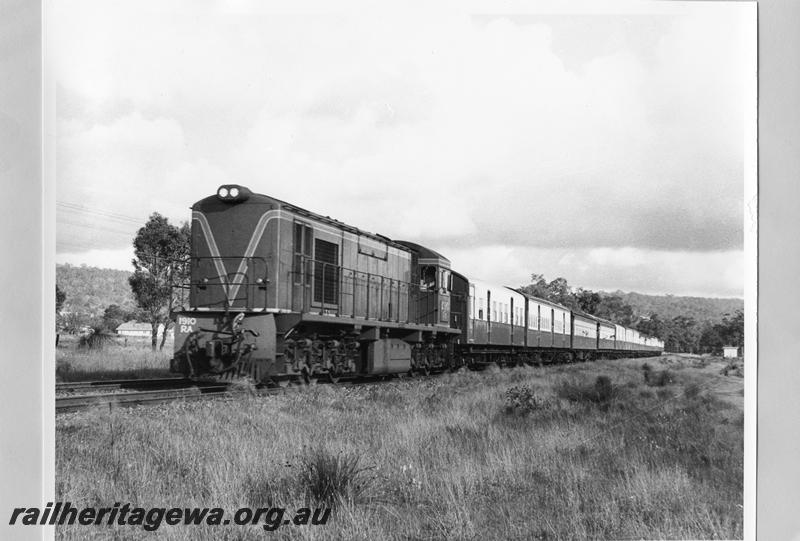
x,y
218,283
325,288
316,287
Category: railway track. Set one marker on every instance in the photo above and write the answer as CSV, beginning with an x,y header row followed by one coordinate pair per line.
x,y
158,391
79,402
118,384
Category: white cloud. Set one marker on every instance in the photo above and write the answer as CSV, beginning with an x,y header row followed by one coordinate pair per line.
x,y
445,129
717,274
109,259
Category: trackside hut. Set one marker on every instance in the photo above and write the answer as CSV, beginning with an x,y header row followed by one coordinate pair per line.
x,y
135,329
730,351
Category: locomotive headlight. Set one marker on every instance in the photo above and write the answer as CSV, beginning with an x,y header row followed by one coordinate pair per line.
x,y
233,193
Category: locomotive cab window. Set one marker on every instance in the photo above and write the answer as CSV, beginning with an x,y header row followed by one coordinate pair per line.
x,y
427,280
445,281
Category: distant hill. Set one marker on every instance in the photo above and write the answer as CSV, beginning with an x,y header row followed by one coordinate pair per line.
x,y
91,290
669,306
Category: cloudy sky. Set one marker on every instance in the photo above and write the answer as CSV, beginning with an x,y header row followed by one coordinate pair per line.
x,y
604,147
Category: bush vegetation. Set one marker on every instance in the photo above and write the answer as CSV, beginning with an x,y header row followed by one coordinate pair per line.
x,y
656,378
110,358
596,455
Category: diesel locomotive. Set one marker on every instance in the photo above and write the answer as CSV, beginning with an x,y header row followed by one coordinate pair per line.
x,y
276,292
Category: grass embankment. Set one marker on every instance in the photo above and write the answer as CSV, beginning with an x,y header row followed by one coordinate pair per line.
x,y
586,451
112,358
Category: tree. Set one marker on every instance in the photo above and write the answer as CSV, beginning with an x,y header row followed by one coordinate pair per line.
x,y
613,308
561,292
161,250
711,340
60,298
683,335
728,332
732,329
537,287
557,290
73,321
588,300
114,316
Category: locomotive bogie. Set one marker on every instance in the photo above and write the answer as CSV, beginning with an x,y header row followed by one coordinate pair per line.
x,y
214,343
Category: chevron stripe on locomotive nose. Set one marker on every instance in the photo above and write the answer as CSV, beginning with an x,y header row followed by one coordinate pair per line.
x,y
255,239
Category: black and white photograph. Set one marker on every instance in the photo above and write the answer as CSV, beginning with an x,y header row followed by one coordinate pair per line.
x,y
425,271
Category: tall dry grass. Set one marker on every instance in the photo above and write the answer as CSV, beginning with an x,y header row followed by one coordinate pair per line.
x,y
449,458
114,358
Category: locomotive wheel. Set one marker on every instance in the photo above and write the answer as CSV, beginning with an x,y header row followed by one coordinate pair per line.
x,y
309,379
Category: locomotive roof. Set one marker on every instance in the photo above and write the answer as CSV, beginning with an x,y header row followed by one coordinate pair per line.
x,y
214,203
424,253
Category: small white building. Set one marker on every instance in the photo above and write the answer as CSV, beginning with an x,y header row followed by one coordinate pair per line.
x,y
139,330
730,351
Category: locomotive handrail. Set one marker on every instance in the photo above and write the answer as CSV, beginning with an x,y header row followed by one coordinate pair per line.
x,y
319,287
237,284
382,298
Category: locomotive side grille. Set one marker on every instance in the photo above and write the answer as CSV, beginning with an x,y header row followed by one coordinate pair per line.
x,y
326,272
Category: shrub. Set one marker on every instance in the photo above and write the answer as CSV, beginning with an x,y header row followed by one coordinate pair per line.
x,y
601,392
521,400
603,388
329,479
692,390
647,370
658,378
734,367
